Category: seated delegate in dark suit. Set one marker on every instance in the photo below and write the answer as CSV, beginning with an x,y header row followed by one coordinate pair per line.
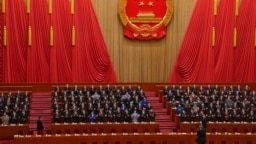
x,y
14,118
67,117
23,117
76,90
58,90
57,116
144,116
75,117
151,115
108,89
165,90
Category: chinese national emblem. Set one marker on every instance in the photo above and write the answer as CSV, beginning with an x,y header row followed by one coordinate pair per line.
x,y
145,19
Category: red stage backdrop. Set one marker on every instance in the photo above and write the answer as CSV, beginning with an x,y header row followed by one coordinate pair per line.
x,y
218,47
145,19
53,41
1,45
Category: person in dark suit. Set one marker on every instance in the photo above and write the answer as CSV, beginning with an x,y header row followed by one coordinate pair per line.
x,y
67,89
40,126
58,90
201,135
23,117
14,118
203,120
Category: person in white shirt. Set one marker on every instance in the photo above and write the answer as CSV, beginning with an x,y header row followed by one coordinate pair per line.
x,y
135,116
5,119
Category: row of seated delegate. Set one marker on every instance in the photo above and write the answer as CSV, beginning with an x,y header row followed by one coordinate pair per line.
x,y
230,105
101,105
77,117
14,107
100,90
208,90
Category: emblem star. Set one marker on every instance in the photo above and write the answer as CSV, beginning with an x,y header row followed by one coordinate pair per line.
x,y
141,4
150,4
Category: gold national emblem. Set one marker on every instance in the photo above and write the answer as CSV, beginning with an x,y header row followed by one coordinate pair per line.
x,y
145,19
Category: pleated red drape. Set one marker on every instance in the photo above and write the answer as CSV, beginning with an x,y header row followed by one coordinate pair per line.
x,y
38,64
90,56
223,57
1,45
195,59
199,61
245,53
61,52
87,61
15,53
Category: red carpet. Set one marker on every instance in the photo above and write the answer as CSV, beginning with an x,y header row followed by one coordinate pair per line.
x,y
166,124
41,106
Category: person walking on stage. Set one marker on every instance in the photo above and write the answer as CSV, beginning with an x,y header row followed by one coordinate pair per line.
x,y
201,135
40,126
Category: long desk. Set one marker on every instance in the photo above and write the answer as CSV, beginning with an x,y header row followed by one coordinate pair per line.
x,y
104,128
7,131
220,127
135,138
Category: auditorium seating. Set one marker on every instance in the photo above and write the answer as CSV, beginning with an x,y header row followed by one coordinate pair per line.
x,y
16,104
219,104
141,133
109,103
223,125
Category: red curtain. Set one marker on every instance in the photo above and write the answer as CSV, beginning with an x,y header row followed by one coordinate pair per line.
x,y
195,59
199,61
38,64
87,61
245,53
223,57
1,44
61,52
15,53
91,60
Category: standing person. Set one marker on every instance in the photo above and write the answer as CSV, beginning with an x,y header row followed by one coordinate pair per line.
x,y
92,117
204,120
135,116
201,135
40,126
179,109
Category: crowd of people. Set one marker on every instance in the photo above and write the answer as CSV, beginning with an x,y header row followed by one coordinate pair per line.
x,y
217,104
14,107
101,104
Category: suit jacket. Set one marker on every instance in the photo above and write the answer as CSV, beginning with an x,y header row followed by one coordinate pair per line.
x,y
40,125
201,136
204,122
